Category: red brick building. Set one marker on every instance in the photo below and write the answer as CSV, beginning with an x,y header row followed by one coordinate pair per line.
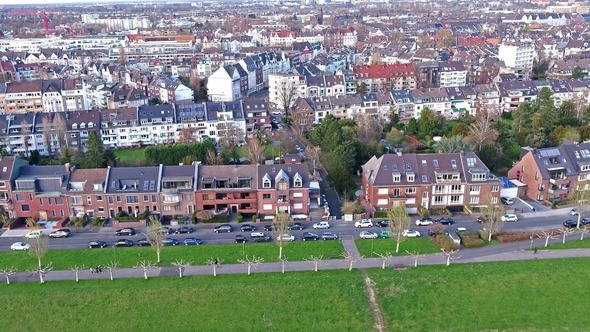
x,y
283,188
227,188
41,190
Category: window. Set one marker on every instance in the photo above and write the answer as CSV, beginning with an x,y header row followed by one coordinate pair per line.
x,y
59,201
20,197
536,176
478,177
438,200
297,195
146,198
166,208
25,208
154,199
397,177
382,191
132,199
41,201
30,197
411,190
424,163
266,196
455,199
178,208
76,200
474,200
2,184
118,198
297,183
110,199
100,209
89,200
267,207
53,213
298,206
283,186
410,177
49,200
99,198
187,197
474,189
495,189
454,163
382,201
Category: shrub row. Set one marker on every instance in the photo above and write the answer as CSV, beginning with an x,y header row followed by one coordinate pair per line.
x,y
380,214
471,240
505,237
122,216
217,219
445,242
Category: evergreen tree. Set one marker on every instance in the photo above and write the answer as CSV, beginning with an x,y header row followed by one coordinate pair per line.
x,y
95,151
427,123
34,158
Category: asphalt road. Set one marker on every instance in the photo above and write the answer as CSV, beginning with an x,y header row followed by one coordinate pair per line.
x,y
205,232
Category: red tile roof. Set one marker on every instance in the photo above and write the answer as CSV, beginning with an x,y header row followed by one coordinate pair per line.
x,y
383,71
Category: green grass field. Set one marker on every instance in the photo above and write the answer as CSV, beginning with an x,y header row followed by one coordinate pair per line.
x,y
571,244
128,257
535,295
381,246
126,156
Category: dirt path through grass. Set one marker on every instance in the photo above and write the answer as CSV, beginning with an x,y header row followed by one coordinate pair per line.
x,y
379,324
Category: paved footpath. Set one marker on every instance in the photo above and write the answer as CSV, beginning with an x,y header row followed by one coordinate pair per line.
x,y
334,264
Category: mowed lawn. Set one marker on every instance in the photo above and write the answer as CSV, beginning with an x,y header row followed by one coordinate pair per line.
x,y
536,295
299,301
570,244
198,255
422,245
126,156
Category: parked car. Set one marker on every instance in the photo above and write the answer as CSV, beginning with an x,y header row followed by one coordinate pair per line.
x,y
64,232
382,223
185,230
124,243
143,242
166,230
461,229
433,233
386,234
411,233
368,235
570,223
223,228
125,232
329,236
247,228
296,226
97,244
363,223
424,222
191,241
585,220
34,234
321,225
20,246
239,239
307,236
170,242
446,221
574,212
259,237
509,217
483,219
507,200
270,228
286,238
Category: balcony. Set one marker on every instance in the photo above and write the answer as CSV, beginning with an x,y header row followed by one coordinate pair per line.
x,y
558,180
171,199
558,191
283,201
170,191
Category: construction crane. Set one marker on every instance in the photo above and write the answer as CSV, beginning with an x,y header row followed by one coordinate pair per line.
x,y
36,12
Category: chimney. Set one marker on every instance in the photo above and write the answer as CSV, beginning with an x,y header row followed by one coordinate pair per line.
x,y
67,167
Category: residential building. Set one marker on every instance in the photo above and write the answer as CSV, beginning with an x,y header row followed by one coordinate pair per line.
x,y
519,57
451,74
170,91
283,188
512,94
382,78
227,189
85,193
443,180
133,190
9,169
178,188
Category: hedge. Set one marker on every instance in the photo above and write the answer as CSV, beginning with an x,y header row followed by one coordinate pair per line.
x,y
445,242
217,219
505,237
471,240
380,214
122,216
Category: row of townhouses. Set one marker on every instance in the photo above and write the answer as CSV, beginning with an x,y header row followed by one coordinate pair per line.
x,y
129,127
55,192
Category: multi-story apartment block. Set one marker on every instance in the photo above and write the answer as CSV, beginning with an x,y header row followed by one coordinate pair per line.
x,y
256,115
126,97
178,186
451,74
283,188
382,78
512,94
228,188
85,193
9,169
133,190
436,99
79,125
156,125
170,91
23,97
519,57
443,180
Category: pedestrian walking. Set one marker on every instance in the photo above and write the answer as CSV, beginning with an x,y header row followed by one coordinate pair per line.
x,y
91,271
216,262
99,269
535,250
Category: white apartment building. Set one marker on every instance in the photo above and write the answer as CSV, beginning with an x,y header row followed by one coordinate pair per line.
x,y
518,56
31,45
452,74
278,83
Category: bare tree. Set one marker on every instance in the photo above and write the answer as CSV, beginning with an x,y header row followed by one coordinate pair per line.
x,y
26,132
283,260
386,257
316,261
155,235
255,150
581,198
493,217
215,263
37,249
368,127
145,267
314,153
449,255
583,231
59,124
181,265
111,267
399,221
351,258
122,58
212,158
7,272
286,94
205,215
547,234
481,131
76,270
187,136
253,262
47,132
195,82
567,231
281,231
416,256
42,270
231,135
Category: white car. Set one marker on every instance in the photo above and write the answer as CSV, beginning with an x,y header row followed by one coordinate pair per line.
x,y
368,235
424,222
574,212
19,246
509,217
321,225
363,223
34,234
286,238
411,233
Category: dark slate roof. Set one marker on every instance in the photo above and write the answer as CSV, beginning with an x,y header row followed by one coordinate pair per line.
x,y
129,180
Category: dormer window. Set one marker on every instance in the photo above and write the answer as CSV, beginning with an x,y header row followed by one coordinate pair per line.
x,y
75,126
424,163
397,177
410,177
